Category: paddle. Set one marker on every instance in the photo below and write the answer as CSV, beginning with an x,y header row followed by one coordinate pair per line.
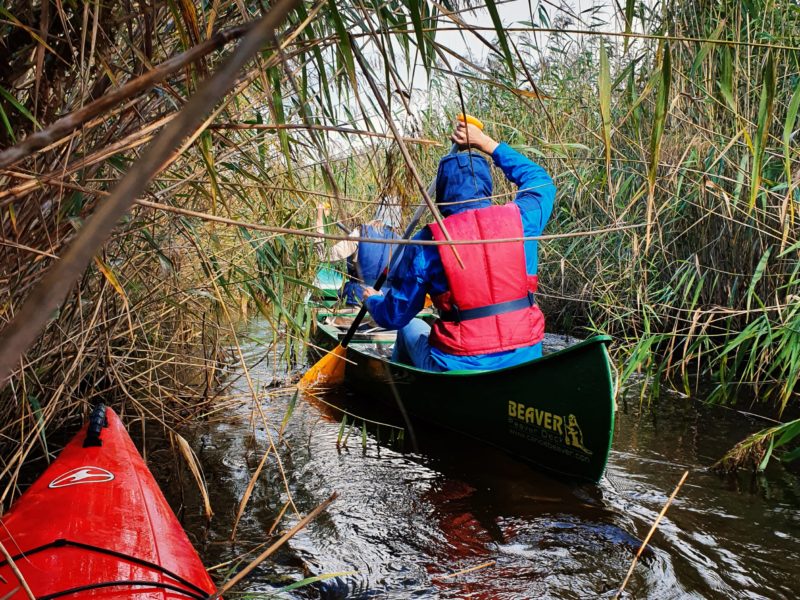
x,y
330,368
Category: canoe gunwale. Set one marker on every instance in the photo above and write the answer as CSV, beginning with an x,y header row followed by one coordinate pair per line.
x,y
353,346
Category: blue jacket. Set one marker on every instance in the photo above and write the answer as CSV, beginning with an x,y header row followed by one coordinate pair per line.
x,y
368,262
420,269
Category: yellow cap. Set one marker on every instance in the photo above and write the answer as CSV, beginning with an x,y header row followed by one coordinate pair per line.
x,y
470,119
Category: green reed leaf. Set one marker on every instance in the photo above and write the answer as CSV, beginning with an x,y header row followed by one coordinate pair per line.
x,y
415,11
501,35
604,95
660,117
788,129
765,108
289,411
765,461
16,104
345,48
725,83
342,427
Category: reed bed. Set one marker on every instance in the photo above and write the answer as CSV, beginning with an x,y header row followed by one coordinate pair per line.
x,y
677,119
680,129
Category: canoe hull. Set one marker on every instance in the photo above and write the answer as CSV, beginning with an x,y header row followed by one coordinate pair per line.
x,y
118,527
556,412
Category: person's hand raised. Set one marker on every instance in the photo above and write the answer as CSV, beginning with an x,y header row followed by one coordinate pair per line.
x,y
467,134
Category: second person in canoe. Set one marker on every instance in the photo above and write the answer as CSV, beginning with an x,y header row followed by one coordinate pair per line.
x,y
365,260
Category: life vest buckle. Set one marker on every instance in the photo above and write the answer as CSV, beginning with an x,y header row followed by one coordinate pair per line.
x,y
454,314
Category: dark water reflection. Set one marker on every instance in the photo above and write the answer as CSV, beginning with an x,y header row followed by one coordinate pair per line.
x,y
405,522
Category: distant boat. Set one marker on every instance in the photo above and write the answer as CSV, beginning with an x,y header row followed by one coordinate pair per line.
x,y
328,281
555,412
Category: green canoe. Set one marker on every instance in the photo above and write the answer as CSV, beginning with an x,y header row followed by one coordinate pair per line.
x,y
328,282
556,412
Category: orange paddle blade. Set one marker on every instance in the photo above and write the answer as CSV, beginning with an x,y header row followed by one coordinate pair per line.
x,y
470,120
328,370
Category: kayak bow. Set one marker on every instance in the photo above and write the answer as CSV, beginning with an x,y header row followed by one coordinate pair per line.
x,y
96,525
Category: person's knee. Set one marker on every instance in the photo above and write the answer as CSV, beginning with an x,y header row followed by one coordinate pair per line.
x,y
416,329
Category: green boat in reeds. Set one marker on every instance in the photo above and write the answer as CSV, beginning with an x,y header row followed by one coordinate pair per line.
x,y
556,412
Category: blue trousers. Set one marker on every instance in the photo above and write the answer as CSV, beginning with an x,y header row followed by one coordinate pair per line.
x,y
412,346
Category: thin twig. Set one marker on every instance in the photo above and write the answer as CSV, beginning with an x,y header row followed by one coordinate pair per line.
x,y
266,554
490,563
650,534
331,128
17,573
331,236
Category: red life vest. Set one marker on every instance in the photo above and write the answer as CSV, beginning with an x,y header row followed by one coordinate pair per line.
x,y
493,282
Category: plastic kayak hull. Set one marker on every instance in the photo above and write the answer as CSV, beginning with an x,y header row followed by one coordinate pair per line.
x,y
96,525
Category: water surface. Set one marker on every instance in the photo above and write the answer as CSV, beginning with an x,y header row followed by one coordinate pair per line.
x,y
407,523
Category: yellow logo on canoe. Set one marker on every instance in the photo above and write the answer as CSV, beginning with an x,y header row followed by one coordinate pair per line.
x,y
566,428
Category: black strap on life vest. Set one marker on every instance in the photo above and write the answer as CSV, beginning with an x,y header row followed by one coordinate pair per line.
x,y
457,315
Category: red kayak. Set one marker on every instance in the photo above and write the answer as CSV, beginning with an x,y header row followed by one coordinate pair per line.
x,y
96,525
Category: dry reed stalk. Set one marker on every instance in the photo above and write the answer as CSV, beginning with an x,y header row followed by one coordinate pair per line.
x,y
268,552
278,519
197,472
248,492
17,573
50,409
134,140
62,127
650,534
250,384
50,292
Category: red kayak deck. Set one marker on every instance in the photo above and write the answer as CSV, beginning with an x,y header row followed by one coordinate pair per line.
x,y
96,525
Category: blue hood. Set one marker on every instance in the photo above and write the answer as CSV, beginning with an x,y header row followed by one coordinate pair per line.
x,y
456,184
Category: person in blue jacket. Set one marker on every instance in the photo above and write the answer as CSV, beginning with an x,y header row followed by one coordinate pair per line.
x,y
463,195
365,260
